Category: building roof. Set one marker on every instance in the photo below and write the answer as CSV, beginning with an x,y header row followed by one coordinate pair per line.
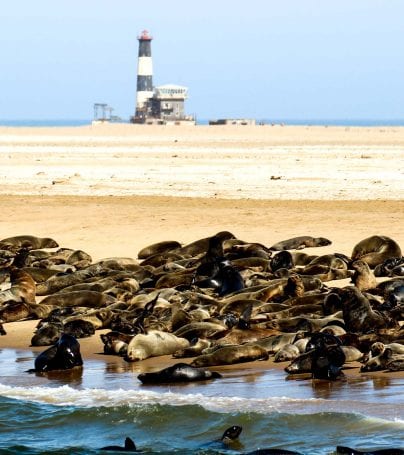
x,y
171,91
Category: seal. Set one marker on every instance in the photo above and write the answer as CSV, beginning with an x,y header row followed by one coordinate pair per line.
x,y
179,372
158,248
23,288
298,243
390,267
359,317
154,344
287,353
375,250
30,242
194,350
282,260
63,355
47,334
225,281
228,355
363,278
202,245
342,450
91,299
129,446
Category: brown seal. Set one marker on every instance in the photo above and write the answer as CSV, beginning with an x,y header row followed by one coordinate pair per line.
x,y
298,243
363,278
375,250
158,248
30,242
228,355
23,288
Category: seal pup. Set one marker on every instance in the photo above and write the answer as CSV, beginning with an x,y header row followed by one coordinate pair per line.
x,y
298,243
375,250
129,446
63,355
179,372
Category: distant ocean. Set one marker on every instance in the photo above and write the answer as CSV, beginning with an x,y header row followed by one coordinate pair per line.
x,y
319,122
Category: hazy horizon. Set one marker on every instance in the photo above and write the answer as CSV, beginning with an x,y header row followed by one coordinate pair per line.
x,y
296,59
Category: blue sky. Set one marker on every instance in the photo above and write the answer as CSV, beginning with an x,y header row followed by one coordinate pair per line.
x,y
296,59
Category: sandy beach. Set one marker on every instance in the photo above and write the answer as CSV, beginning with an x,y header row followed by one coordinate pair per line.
x,y
111,190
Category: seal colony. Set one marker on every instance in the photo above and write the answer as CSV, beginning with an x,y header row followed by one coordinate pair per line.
x,y
217,301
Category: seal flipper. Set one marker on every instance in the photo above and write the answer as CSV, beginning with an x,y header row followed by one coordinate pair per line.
x,y
130,446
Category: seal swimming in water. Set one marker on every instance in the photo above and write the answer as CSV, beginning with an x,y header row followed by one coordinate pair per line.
x,y
375,250
63,355
342,450
179,372
129,446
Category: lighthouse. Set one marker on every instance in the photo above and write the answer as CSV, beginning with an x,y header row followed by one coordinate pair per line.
x,y
144,90
156,105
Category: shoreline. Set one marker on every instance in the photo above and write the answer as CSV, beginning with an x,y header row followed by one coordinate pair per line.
x,y
19,335
110,190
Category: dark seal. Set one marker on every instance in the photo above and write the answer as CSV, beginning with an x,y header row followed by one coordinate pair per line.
x,y
63,355
180,372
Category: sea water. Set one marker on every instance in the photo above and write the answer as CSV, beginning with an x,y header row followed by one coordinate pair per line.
x,y
266,121
80,411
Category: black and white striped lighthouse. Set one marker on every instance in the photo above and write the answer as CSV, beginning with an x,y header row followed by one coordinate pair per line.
x,y
144,90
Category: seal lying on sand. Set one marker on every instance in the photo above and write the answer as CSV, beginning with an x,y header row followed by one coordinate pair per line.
x,y
298,243
179,372
375,250
27,241
155,343
228,355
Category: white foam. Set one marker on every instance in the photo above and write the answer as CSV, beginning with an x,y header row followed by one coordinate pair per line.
x,y
67,396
